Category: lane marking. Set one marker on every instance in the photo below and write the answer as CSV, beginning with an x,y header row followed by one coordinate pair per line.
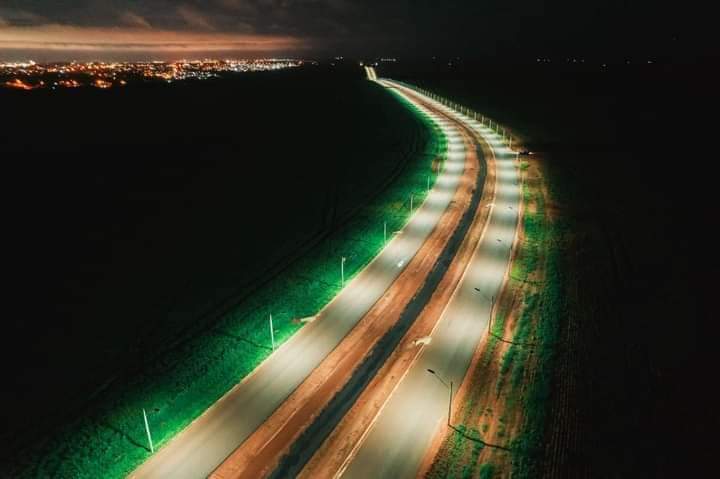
x,y
473,134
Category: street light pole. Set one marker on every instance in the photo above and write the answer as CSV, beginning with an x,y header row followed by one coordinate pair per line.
x,y
385,232
450,387
492,307
411,203
272,334
342,272
147,430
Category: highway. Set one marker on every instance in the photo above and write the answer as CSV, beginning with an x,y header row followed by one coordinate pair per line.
x,y
396,442
283,444
205,443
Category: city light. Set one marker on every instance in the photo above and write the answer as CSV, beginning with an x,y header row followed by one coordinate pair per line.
x,y
31,76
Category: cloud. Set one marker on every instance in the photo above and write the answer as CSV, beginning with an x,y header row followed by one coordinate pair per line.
x,y
244,27
194,18
240,7
61,37
134,20
327,24
13,16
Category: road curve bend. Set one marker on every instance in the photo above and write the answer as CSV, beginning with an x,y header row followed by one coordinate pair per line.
x,y
394,446
207,441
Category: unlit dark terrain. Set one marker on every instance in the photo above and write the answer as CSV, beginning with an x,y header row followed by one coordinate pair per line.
x,y
134,218
630,154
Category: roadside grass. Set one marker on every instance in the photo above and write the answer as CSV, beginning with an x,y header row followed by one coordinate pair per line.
x,y
527,446
527,363
548,309
461,450
516,355
535,231
177,387
487,471
469,467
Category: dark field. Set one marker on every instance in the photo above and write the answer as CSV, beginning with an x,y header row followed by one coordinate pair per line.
x,y
630,155
136,219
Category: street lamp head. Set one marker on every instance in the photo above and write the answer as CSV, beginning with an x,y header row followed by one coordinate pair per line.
x,y
431,371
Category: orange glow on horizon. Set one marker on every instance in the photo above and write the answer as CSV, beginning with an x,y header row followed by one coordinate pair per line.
x,y
62,37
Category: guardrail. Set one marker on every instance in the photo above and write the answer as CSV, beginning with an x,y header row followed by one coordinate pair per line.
x,y
469,112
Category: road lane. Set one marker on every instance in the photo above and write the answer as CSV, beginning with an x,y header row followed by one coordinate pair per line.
x,y
325,407
205,443
396,443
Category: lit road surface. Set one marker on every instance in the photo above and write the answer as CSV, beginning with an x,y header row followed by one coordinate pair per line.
x,y
203,445
396,443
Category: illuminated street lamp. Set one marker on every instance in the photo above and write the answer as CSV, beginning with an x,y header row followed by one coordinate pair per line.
x,y
450,387
272,334
147,430
492,307
342,272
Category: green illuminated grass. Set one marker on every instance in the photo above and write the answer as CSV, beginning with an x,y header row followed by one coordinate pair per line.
x,y
110,441
487,471
535,231
459,454
547,307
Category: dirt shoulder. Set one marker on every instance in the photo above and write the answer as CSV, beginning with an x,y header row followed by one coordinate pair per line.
x,y
259,455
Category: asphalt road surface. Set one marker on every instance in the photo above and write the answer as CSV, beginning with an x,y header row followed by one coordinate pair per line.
x,y
203,445
401,433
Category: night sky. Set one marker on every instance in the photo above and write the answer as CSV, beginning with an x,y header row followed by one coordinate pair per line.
x,y
115,29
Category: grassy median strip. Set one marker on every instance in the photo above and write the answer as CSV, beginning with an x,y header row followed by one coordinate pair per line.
x,y
110,440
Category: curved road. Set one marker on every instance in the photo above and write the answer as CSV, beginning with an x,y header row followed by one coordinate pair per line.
x,y
205,443
395,444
